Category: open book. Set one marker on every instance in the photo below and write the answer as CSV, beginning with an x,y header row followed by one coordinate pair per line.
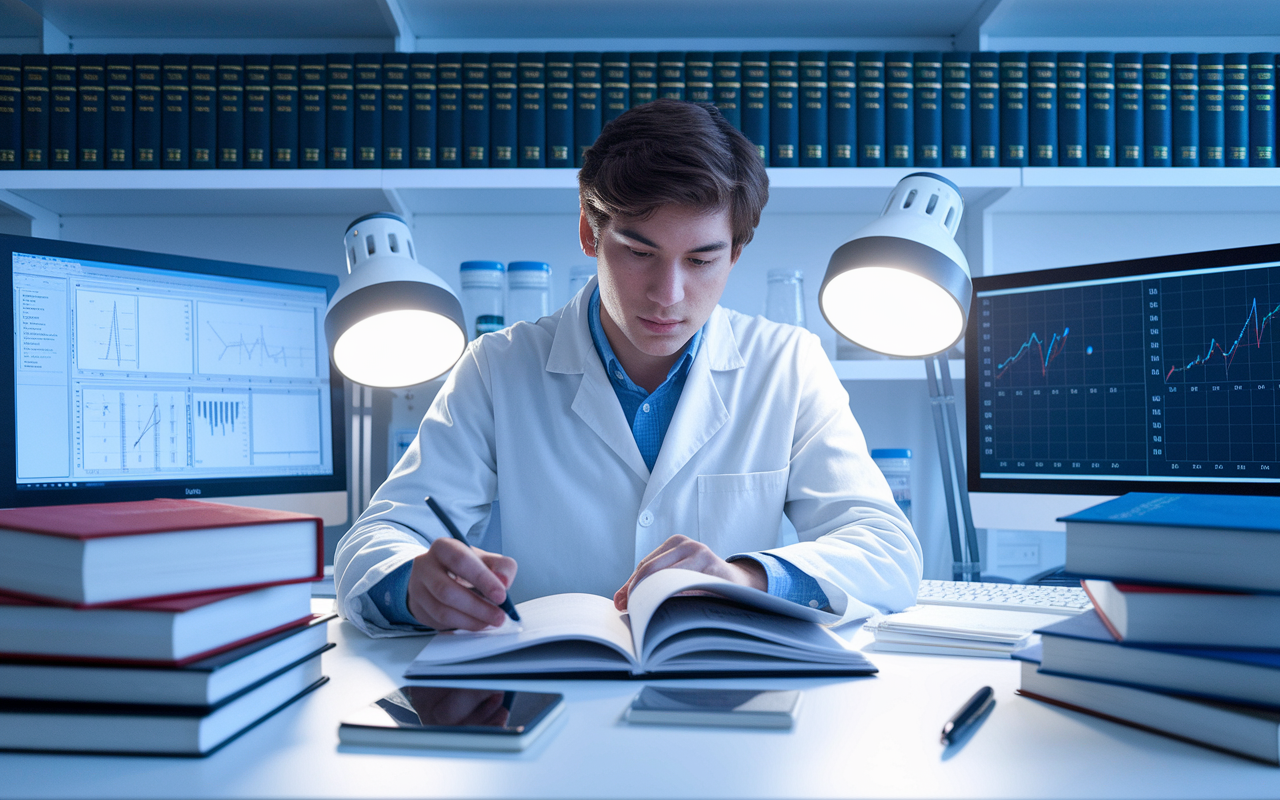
x,y
677,622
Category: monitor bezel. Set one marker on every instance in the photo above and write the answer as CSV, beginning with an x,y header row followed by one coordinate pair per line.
x,y
12,497
1207,259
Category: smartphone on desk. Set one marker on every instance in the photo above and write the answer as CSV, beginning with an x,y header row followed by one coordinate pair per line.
x,y
453,718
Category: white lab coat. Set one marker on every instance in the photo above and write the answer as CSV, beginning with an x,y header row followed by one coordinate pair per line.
x,y
528,417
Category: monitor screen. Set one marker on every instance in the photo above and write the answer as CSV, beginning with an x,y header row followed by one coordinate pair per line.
x,y
139,375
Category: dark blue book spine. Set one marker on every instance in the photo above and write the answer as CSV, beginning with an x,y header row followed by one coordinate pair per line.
x,y
986,109
615,74
422,113
91,91
148,99
560,110
728,80
1212,141
1235,115
784,110
257,111
1129,110
1013,109
842,108
899,124
755,99
699,77
1185,72
312,110
340,110
63,109
1262,109
671,75
284,111
175,117
366,123
644,78
204,112
118,139
504,101
449,110
928,109
814,114
532,121
10,111
1072,101
1157,118
475,110
1042,109
588,115
395,110
35,111
230,112
1101,114
957,130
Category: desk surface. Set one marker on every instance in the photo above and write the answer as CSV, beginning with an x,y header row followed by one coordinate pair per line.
x,y
865,737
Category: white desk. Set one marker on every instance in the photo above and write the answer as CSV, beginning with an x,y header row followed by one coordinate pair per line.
x,y
865,737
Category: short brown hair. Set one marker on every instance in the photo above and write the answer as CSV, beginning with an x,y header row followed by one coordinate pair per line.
x,y
670,152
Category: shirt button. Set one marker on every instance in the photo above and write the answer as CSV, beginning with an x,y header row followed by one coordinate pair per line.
x,y
618,374
813,604
646,519
645,407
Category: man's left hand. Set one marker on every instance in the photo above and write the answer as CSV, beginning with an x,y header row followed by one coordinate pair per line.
x,y
685,553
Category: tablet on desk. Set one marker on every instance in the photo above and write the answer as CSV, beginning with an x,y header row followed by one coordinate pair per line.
x,y
452,718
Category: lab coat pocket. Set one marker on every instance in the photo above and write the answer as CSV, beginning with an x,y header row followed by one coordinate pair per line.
x,y
741,513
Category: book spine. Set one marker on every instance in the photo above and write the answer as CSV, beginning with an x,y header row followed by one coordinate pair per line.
x,y
699,77
671,75
928,109
1212,142
339,111
449,110
1101,114
422,113
312,109
35,111
91,88
1262,109
957,131
284,111
257,112
532,121
784,110
148,99
755,100
230,112
728,88
1042,109
644,78
813,112
118,134
10,111
475,110
1129,110
1013,109
899,125
395,110
560,152
1185,72
1235,114
1157,120
842,108
588,116
204,112
175,116
62,111
615,73
504,98
1072,138
366,122
986,109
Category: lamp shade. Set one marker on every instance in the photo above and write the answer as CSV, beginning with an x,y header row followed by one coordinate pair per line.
x,y
392,322
901,286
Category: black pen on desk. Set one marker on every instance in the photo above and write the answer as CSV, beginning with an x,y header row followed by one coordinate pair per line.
x,y
455,533
971,712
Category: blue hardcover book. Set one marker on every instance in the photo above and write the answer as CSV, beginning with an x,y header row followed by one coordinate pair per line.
x,y
1212,140
422,114
63,110
615,79
449,110
118,138
755,99
257,111
1014,139
871,100
671,75
1235,113
784,111
175,116
35,111
842,108
728,86
312,110
700,77
475,110
91,91
532,121
928,109
285,91
1100,116
148,99
230,112
588,115
1262,109
367,119
1042,109
1129,110
504,101
644,78
957,138
1073,139
1185,74
395,110
814,115
899,109
10,111
204,112
986,109
560,152
1157,117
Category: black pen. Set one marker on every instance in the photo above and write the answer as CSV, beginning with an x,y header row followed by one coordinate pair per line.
x,y
453,531
971,712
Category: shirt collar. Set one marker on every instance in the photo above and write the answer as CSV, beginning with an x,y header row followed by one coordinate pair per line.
x,y
612,366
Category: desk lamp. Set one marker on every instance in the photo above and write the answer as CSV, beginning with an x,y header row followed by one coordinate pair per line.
x,y
901,287
392,322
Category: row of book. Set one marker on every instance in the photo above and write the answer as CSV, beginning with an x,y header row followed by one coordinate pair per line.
x,y
800,108
158,627
1184,635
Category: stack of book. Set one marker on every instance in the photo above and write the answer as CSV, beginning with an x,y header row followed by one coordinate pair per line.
x,y
1184,636
159,627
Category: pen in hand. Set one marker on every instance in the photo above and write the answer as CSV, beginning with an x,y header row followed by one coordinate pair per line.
x,y
959,725
506,604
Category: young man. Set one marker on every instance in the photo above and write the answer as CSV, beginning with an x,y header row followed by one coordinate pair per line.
x,y
641,427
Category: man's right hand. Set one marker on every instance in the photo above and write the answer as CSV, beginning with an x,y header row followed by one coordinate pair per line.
x,y
440,581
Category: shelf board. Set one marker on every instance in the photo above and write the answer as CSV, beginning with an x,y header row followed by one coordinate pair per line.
x,y
890,369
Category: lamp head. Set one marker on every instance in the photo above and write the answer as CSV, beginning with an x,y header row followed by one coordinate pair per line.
x,y
392,322
901,286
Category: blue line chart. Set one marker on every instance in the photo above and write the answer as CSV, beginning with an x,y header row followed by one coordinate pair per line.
x,y
1047,353
1229,353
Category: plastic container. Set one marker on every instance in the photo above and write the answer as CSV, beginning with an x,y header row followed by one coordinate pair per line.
x,y
482,285
784,296
528,291
579,276
896,466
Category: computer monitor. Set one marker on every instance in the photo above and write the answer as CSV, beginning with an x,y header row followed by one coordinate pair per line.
x,y
1157,374
138,375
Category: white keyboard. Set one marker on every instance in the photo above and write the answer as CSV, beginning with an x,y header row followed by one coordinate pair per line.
x,y
1066,600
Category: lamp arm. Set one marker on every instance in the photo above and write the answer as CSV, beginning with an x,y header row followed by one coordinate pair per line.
x,y
965,564
949,398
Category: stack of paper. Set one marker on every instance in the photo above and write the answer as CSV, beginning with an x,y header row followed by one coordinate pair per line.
x,y
957,630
